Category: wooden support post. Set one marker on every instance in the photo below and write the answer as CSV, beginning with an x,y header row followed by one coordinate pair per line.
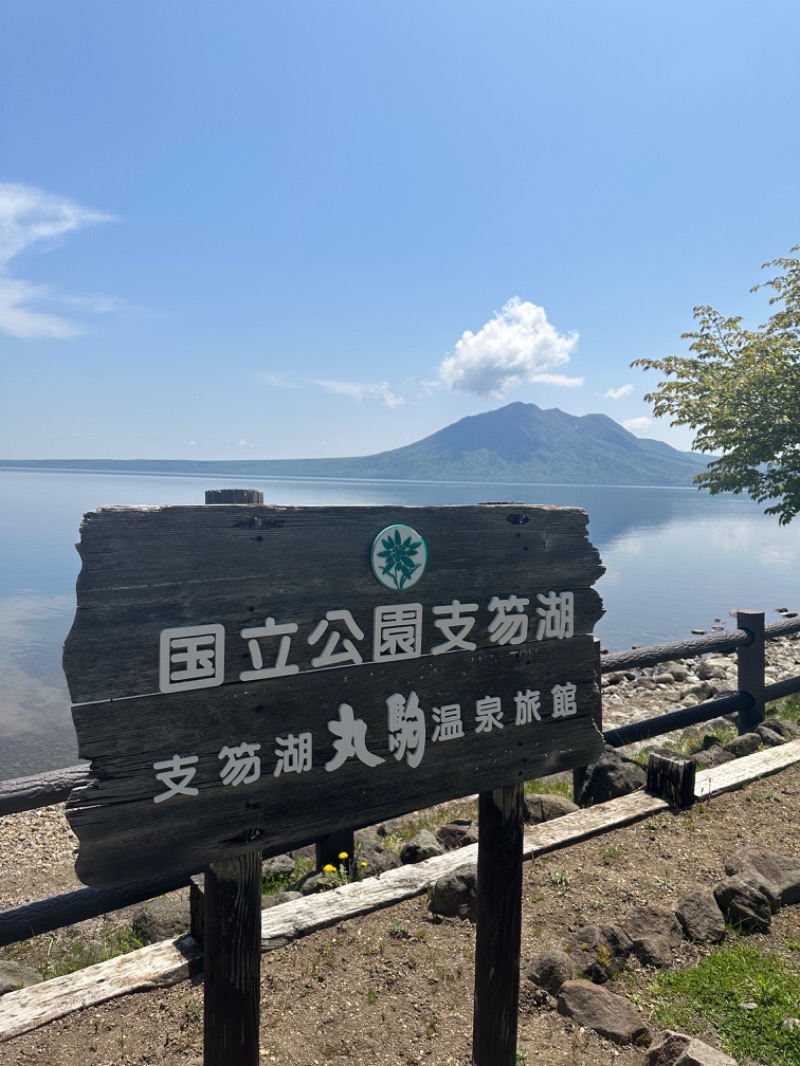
x,y
197,907
751,658
231,930
671,779
580,773
499,926
232,961
329,848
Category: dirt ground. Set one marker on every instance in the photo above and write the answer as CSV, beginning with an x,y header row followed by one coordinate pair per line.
x,y
395,988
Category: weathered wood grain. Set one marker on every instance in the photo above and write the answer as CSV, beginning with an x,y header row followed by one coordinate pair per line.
x,y
498,927
145,570
150,569
734,774
40,790
232,970
671,779
156,966
123,831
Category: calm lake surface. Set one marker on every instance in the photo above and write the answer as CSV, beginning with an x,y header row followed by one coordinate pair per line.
x,y
676,560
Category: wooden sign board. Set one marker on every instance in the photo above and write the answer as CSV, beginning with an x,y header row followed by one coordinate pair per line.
x,y
259,676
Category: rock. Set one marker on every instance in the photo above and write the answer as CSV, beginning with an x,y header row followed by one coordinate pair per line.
x,y
160,919
421,847
599,951
609,1015
309,884
713,669
654,933
712,757
278,898
664,679
746,744
769,738
452,835
543,807
278,866
743,905
788,730
696,1053
701,918
14,975
610,777
667,1048
776,876
377,857
678,671
550,970
456,894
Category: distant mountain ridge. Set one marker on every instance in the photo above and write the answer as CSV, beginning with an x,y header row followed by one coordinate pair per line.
x,y
517,443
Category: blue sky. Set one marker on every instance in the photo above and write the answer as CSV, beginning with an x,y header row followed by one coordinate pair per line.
x,y
263,229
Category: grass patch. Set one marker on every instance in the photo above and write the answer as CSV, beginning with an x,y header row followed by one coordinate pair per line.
x,y
788,708
745,994
690,741
55,956
550,786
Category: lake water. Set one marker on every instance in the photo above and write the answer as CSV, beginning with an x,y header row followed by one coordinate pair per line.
x,y
676,559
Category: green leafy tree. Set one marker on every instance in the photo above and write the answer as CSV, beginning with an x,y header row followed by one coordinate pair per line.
x,y
740,392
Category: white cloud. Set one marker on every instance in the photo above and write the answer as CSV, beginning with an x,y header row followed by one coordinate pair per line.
x,y
635,425
28,217
517,345
20,318
363,391
620,393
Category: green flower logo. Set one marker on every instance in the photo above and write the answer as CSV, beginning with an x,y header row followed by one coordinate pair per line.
x,y
398,558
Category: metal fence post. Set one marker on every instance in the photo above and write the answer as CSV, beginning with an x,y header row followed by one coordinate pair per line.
x,y
751,658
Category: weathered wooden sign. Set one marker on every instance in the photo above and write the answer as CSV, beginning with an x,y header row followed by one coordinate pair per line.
x,y
257,676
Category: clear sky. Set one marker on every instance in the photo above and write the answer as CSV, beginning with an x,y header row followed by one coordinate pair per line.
x,y
267,229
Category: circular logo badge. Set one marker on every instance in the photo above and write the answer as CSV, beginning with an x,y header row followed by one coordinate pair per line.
x,y
399,556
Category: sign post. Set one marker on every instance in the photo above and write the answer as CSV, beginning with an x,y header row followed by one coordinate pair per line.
x,y
249,676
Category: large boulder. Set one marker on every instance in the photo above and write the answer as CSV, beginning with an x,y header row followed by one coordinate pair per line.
x,y
455,895
701,918
609,1015
457,834
599,951
551,969
610,777
543,807
377,857
655,933
421,847
14,975
776,875
160,919
697,1053
746,744
743,905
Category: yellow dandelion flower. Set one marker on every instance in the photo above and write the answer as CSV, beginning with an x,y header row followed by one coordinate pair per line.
x,y
328,869
343,855
364,864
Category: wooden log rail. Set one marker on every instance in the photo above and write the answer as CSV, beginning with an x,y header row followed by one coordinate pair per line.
x,y
164,964
42,790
